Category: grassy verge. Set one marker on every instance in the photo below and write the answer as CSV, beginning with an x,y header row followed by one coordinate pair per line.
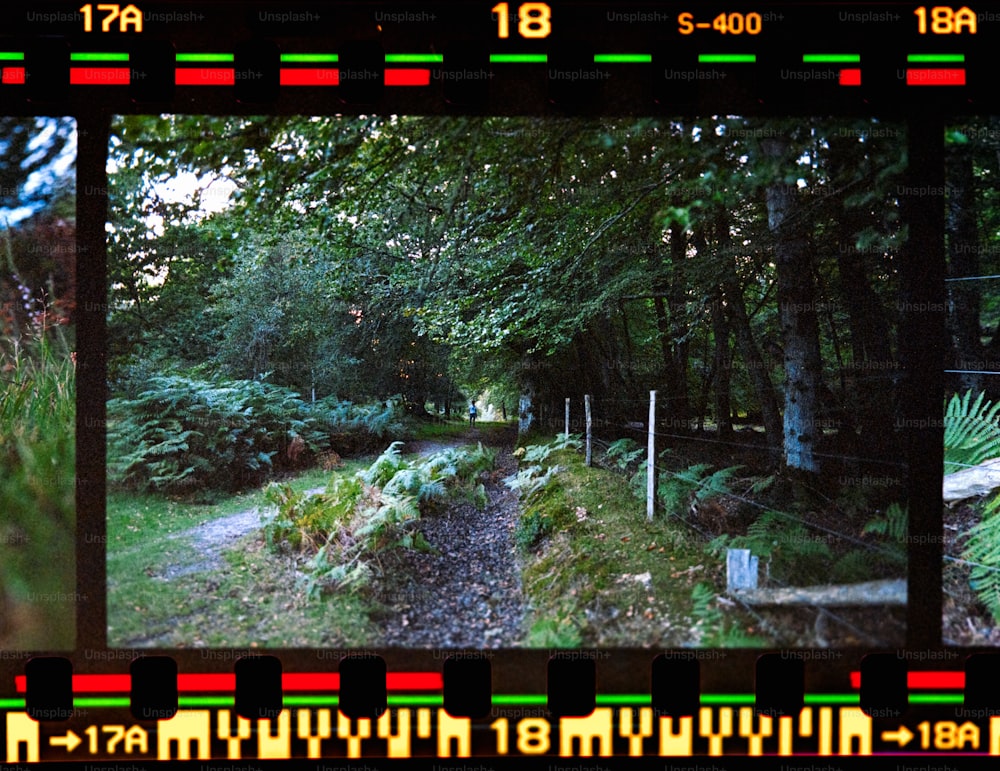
x,y
454,429
37,487
163,591
597,574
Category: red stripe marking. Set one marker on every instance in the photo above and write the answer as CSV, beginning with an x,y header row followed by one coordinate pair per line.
x,y
850,77
205,76
416,77
13,76
215,683
309,76
99,76
935,77
945,681
225,682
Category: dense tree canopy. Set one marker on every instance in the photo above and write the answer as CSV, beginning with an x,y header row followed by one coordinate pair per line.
x,y
744,268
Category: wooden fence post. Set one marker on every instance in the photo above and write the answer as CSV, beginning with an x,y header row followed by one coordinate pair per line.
x,y
567,417
741,570
586,407
651,462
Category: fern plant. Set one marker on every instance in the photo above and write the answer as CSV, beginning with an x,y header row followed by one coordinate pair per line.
x,y
676,490
892,524
528,481
794,554
356,518
982,549
183,433
971,431
536,453
385,466
624,452
710,622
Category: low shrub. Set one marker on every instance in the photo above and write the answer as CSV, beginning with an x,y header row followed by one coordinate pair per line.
x,y
356,518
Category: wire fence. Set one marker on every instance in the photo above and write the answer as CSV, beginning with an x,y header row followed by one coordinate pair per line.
x,y
820,611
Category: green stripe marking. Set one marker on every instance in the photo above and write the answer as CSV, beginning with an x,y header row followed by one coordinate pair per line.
x,y
915,58
309,58
831,58
414,58
518,58
97,57
727,58
623,58
205,57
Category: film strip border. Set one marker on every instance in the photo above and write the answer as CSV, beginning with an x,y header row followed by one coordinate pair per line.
x,y
363,710
636,83
260,73
744,58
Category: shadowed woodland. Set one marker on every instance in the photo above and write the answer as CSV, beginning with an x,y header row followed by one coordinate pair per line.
x,y
37,383
284,290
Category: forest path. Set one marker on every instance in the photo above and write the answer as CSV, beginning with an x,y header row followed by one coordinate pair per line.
x,y
211,539
466,594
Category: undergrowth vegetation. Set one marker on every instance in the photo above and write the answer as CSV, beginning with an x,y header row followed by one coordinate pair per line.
x,y
184,434
972,436
37,486
344,530
594,571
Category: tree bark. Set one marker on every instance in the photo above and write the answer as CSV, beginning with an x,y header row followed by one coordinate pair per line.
x,y
739,324
680,405
721,364
797,313
963,260
872,365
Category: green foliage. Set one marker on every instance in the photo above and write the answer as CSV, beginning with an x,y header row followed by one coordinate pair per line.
x,y
675,490
971,431
301,518
624,452
531,529
560,632
536,453
892,525
796,555
356,518
37,485
715,630
854,566
982,549
530,480
183,434
350,260
533,485
378,420
385,466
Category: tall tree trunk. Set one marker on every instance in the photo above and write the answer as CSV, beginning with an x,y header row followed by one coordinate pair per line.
x,y
721,360
739,324
721,365
872,363
626,365
680,402
663,333
963,260
797,313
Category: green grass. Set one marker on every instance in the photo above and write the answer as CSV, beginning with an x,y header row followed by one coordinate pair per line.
x,y
37,488
585,580
453,429
249,599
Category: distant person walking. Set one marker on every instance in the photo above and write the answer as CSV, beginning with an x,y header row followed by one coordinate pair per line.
x,y
472,414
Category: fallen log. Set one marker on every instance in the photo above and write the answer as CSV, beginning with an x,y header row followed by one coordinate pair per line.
x,y
889,592
972,482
